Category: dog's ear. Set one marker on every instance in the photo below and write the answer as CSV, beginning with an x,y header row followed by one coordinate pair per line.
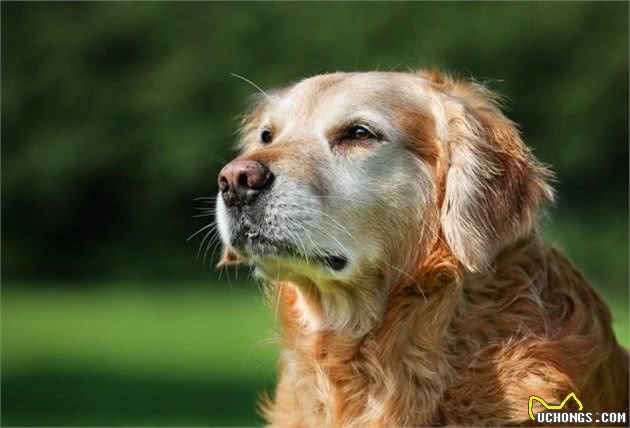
x,y
494,187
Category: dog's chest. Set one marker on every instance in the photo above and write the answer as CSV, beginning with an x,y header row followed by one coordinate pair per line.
x,y
361,389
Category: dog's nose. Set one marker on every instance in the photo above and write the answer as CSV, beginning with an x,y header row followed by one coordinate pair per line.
x,y
241,181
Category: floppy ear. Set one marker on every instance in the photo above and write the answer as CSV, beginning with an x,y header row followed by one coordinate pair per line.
x,y
494,187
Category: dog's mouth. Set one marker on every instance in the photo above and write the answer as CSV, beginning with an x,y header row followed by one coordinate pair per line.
x,y
336,263
255,245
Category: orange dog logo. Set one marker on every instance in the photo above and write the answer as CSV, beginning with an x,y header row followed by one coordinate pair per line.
x,y
560,406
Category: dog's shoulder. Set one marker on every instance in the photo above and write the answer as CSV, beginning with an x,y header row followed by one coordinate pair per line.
x,y
537,328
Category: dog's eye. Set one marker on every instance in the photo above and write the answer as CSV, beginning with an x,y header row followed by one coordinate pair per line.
x,y
359,133
266,136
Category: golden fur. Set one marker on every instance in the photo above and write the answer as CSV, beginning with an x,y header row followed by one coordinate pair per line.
x,y
483,314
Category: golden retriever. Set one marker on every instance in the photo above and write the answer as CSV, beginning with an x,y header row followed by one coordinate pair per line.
x,y
396,216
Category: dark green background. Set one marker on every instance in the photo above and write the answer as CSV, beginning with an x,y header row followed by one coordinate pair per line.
x,y
116,115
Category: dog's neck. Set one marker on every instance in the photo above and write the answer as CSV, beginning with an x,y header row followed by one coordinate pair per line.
x,y
348,310
375,345
413,339
314,315
356,308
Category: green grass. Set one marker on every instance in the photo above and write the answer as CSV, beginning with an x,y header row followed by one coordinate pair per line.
x,y
129,355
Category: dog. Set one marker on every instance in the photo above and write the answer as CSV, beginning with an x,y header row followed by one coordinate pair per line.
x,y
396,219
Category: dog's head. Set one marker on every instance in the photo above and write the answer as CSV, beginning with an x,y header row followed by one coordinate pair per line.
x,y
348,173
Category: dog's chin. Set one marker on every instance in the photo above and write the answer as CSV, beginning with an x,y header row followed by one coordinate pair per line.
x,y
279,260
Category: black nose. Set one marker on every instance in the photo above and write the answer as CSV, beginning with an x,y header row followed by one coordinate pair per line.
x,y
241,181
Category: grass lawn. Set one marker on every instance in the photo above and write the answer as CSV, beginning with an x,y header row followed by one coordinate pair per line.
x,y
128,356
141,356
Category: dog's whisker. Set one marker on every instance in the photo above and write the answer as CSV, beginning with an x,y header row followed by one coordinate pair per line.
x,y
341,198
203,240
299,242
342,247
214,241
215,246
246,80
342,228
201,230
414,280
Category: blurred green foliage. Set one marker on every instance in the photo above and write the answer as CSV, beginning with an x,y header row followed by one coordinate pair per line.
x,y
115,115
